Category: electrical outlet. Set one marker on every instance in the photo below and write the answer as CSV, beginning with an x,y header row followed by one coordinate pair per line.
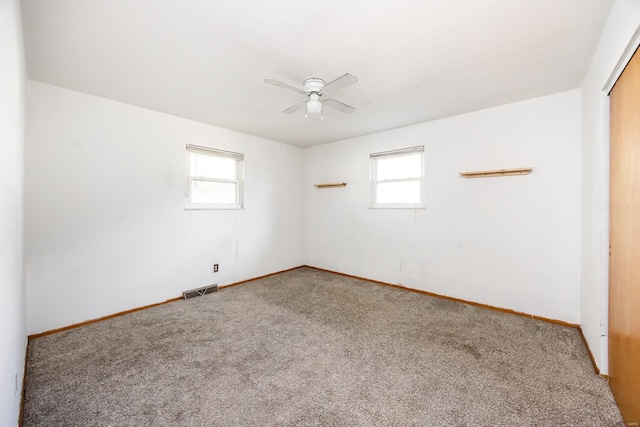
x,y
215,268
400,265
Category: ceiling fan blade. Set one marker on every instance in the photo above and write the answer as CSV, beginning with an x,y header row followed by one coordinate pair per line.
x,y
340,106
340,83
284,85
295,107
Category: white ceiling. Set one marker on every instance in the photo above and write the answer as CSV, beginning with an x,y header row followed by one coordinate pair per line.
x,y
415,60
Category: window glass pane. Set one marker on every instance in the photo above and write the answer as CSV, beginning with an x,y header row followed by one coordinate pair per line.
x,y
213,192
399,167
398,192
213,166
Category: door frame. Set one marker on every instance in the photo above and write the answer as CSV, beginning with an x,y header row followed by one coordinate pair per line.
x,y
630,49
632,46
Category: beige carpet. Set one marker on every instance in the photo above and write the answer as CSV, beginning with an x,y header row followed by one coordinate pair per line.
x,y
312,348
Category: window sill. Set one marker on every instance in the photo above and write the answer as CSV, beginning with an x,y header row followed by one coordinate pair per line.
x,y
213,208
405,207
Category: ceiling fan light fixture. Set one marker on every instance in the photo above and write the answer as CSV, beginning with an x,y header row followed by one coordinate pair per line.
x,y
314,105
314,89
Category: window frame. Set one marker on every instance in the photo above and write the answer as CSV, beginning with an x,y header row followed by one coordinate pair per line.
x,y
239,181
374,157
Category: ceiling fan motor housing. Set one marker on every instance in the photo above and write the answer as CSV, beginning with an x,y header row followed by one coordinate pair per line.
x,y
313,85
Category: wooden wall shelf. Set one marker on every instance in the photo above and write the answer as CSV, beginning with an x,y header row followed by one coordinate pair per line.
x,y
340,184
497,172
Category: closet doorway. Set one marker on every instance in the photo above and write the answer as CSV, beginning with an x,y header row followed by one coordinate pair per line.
x,y
624,243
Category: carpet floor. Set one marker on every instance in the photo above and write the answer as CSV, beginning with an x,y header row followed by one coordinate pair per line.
x,y
312,348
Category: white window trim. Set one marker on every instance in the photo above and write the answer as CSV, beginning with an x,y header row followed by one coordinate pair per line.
x,y
373,182
238,157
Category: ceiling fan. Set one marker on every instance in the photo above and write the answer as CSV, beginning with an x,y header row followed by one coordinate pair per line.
x,y
315,89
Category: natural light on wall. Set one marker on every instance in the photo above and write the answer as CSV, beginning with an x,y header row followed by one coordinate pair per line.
x,y
214,178
397,178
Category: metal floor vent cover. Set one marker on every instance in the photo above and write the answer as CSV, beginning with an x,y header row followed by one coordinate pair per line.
x,y
199,291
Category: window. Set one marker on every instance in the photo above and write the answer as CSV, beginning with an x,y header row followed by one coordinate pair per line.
x,y
397,178
214,179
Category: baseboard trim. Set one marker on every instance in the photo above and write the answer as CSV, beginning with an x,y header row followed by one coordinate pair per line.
x,y
99,319
24,385
476,304
259,277
419,291
133,310
593,359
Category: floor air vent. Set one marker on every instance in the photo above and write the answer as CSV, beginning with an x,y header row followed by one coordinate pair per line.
x,y
199,291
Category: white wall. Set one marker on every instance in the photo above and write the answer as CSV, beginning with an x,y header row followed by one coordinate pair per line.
x,y
105,219
105,235
511,242
623,22
13,337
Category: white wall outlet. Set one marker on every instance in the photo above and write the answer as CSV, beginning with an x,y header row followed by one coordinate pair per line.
x,y
215,268
400,265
